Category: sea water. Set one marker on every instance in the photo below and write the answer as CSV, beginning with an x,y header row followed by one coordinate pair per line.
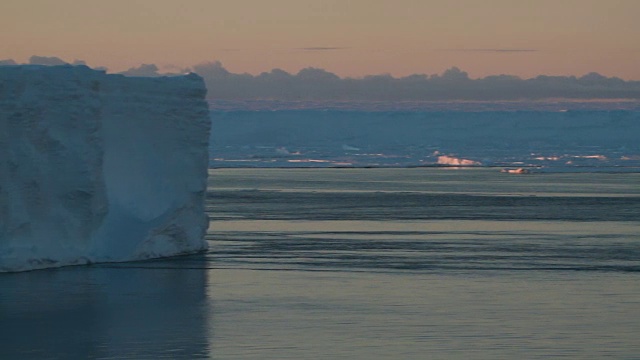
x,y
361,264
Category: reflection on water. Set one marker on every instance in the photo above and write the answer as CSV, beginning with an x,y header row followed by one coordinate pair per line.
x,y
361,264
424,263
441,246
116,311
359,315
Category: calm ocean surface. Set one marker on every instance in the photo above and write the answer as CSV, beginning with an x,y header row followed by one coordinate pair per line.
x,y
422,263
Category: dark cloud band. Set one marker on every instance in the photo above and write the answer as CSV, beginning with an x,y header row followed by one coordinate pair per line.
x,y
493,50
322,48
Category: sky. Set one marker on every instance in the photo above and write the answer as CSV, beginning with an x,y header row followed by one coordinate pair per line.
x,y
351,38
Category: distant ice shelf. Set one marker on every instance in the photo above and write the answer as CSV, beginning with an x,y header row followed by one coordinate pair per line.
x,y
97,167
584,140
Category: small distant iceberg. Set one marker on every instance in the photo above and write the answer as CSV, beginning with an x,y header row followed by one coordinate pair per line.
x,y
516,171
349,148
282,151
450,160
595,157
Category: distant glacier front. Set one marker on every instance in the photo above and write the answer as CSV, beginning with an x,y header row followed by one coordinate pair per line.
x,y
589,138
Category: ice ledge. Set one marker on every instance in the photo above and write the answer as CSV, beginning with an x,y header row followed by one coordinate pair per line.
x,y
100,168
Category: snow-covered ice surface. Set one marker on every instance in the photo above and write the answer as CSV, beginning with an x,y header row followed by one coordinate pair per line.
x,y
99,168
584,137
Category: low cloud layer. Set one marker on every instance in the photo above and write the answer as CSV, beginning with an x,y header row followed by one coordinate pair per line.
x,y
146,70
494,50
321,85
452,84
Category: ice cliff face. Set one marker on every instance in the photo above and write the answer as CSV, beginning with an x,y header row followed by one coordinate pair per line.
x,y
99,168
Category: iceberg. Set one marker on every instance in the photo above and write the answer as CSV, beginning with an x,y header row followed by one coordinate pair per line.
x,y
451,160
98,167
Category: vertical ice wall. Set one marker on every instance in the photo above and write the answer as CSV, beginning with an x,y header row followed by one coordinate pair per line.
x,y
97,167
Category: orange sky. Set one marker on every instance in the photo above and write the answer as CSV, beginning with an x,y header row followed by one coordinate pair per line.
x,y
347,37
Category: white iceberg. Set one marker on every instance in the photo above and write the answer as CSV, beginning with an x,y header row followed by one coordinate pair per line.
x,y
99,168
451,160
346,147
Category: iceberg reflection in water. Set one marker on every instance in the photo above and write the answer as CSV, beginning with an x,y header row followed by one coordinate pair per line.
x,y
107,311
361,264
